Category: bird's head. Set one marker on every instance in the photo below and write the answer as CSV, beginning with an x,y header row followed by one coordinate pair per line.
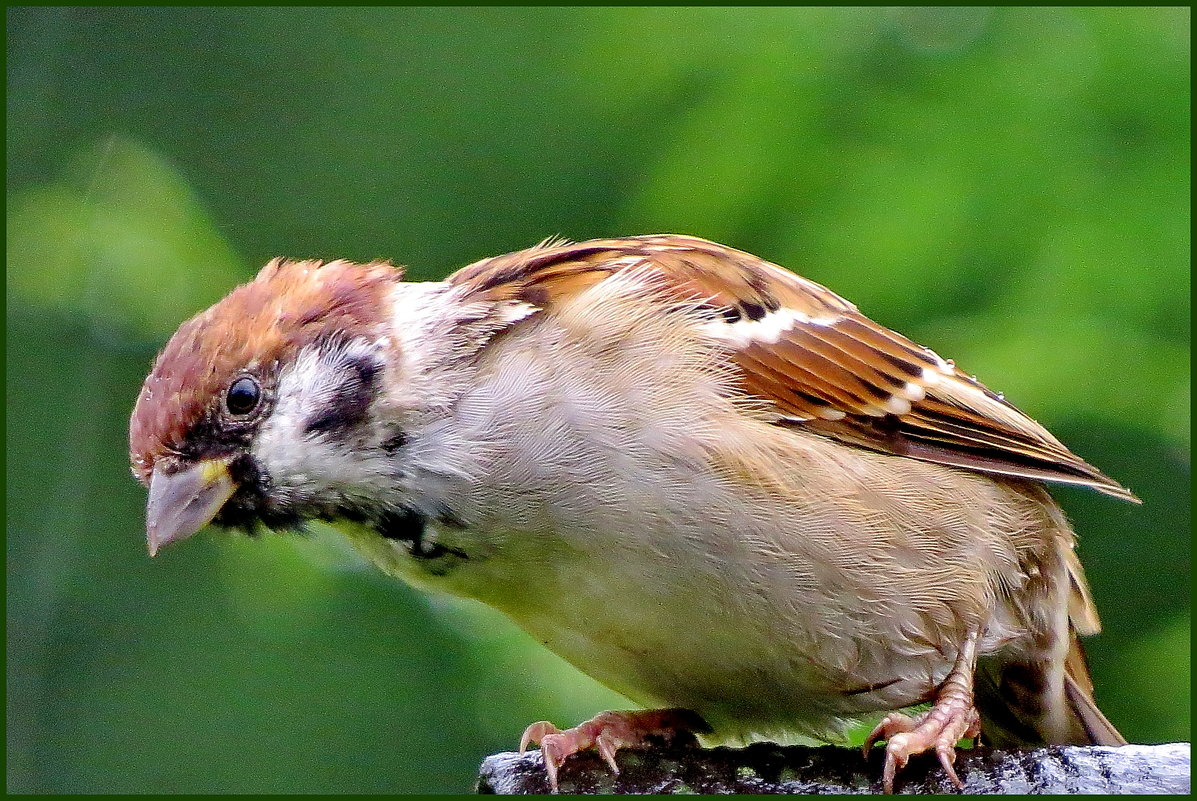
x,y
261,410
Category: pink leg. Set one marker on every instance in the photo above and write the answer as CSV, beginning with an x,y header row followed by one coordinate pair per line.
x,y
609,732
951,718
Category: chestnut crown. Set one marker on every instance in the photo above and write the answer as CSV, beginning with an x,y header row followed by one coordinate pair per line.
x,y
205,391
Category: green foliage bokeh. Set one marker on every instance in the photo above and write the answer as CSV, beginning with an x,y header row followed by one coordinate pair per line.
x,y
1007,186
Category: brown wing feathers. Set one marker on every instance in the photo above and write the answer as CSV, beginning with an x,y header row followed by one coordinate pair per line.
x,y
822,364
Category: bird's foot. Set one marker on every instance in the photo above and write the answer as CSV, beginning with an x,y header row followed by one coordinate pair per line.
x,y
950,719
609,732
940,728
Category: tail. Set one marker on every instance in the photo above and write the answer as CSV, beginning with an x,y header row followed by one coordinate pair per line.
x,y
1019,710
1046,698
1078,694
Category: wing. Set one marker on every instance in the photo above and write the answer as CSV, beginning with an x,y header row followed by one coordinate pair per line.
x,y
823,365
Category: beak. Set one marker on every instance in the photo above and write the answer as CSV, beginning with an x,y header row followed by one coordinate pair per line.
x,y
184,502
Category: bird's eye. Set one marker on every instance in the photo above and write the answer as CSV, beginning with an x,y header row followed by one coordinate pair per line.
x,y
243,396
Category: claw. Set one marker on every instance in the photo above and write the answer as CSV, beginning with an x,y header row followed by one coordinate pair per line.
x,y
947,758
607,746
552,762
952,718
940,728
535,733
608,733
891,724
891,769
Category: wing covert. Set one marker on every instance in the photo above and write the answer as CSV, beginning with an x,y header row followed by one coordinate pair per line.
x,y
811,354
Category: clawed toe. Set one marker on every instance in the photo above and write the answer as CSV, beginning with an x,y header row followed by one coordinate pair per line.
x,y
535,733
607,733
892,724
940,728
952,718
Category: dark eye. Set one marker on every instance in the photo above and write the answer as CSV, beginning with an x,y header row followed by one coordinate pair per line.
x,y
243,396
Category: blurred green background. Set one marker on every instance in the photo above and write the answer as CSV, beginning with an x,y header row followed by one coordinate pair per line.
x,y
1009,187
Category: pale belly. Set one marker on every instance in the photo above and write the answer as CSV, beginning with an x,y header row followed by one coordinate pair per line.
x,y
743,644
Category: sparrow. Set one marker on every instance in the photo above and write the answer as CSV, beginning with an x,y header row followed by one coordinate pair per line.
x,y
711,484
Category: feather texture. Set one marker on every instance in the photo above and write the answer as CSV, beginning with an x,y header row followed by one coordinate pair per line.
x,y
821,364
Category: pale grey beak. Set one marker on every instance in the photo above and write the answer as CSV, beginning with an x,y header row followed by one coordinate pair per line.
x,y
184,502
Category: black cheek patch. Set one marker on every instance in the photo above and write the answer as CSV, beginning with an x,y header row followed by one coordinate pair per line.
x,y
405,525
249,506
349,403
411,527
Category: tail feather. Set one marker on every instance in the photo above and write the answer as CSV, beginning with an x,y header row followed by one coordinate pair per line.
x,y
1044,695
1021,705
1082,612
1078,694
1078,684
1004,723
1098,729
1019,708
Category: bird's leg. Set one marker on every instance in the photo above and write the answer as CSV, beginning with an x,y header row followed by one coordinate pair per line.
x,y
610,731
951,718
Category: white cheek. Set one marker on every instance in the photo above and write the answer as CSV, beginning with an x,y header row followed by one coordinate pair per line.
x,y
315,465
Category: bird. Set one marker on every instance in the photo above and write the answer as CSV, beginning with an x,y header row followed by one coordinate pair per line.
x,y
711,484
